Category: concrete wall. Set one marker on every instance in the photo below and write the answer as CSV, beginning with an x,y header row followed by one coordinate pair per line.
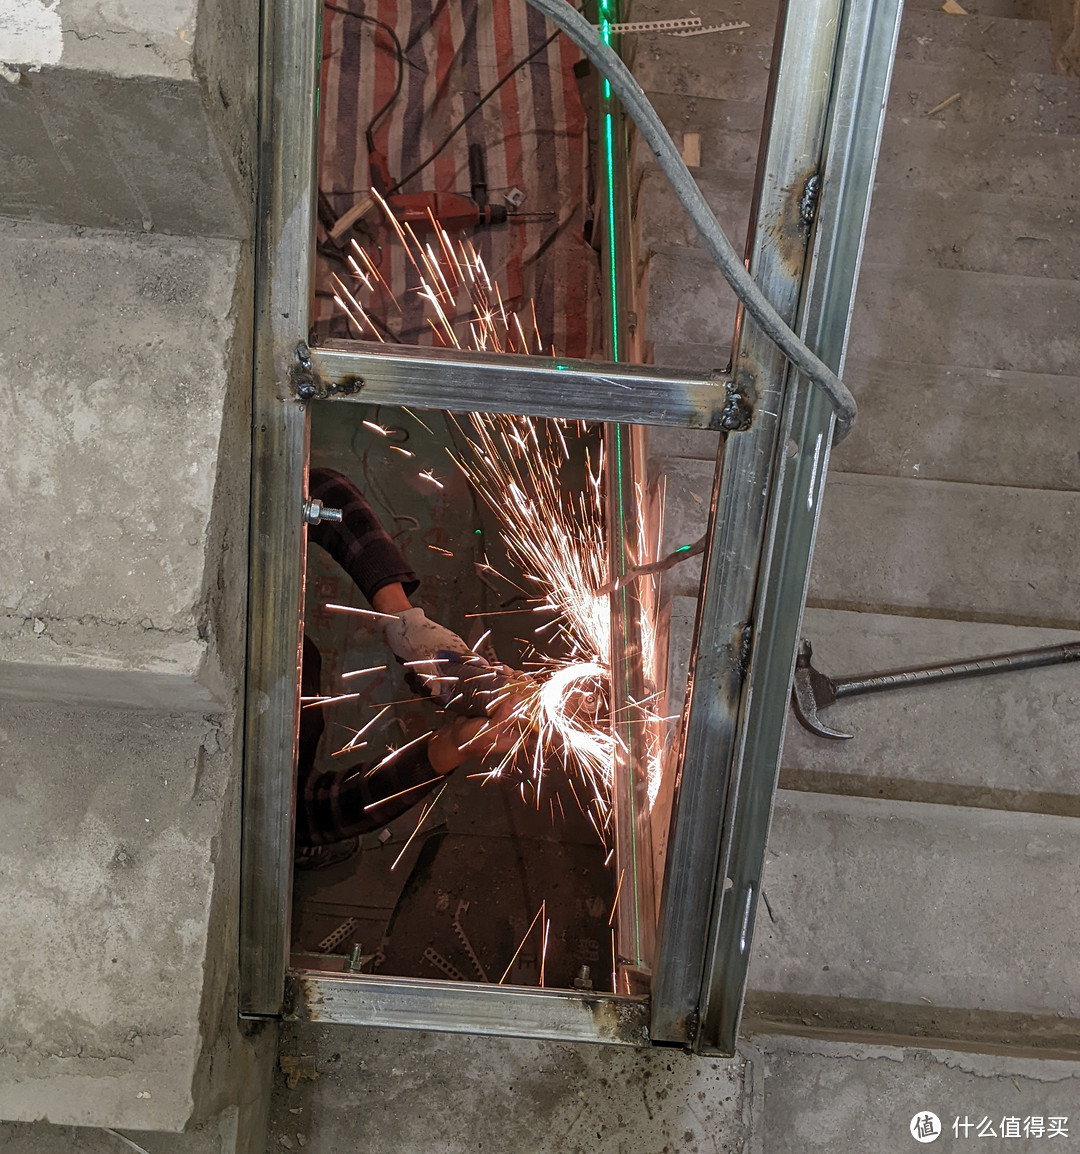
x,y
126,218
417,1093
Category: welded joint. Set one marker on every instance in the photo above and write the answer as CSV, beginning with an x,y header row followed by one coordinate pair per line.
x,y
808,201
737,415
308,385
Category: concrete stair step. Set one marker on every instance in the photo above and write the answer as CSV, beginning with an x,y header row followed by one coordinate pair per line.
x,y
921,921
720,66
951,317
935,549
1008,741
689,300
938,38
690,355
989,95
957,159
729,132
666,227
946,549
820,1093
134,152
120,854
945,423
936,423
1006,9
981,232
104,578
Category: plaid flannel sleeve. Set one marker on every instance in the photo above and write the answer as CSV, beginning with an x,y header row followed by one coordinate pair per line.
x,y
337,804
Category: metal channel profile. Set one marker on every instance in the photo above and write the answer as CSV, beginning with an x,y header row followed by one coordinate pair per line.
x,y
869,32
635,905
461,382
289,70
469,1008
788,172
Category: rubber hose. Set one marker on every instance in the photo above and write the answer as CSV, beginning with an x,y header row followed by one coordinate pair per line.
x,y
637,105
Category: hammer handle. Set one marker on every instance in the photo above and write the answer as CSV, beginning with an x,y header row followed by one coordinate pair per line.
x,y
957,670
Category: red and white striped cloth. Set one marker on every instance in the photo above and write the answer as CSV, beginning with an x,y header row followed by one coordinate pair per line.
x,y
534,136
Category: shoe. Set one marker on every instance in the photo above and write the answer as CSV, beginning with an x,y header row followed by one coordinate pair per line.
x,y
322,857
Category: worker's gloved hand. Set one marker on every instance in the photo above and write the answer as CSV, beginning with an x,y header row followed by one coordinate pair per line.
x,y
440,665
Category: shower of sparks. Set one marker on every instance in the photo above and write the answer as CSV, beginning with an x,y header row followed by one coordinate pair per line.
x,y
556,537
327,699
539,914
362,612
361,672
615,903
355,742
420,821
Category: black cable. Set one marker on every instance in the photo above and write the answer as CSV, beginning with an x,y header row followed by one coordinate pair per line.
x,y
399,53
472,112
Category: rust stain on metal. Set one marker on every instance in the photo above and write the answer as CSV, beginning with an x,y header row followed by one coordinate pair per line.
x,y
621,1020
302,996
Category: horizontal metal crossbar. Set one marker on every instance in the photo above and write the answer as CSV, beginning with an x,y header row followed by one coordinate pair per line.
x,y
464,382
469,1008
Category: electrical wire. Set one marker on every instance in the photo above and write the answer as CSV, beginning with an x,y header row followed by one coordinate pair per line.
x,y
474,110
399,54
637,105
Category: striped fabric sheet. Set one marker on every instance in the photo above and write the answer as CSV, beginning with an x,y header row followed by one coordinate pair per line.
x,y
533,132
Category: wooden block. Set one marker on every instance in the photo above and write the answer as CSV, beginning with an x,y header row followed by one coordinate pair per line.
x,y
691,149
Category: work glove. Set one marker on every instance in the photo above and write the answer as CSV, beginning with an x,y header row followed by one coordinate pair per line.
x,y
440,665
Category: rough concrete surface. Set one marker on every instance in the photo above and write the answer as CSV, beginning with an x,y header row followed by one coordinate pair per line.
x,y
946,317
667,225
152,38
850,1099
729,131
945,423
110,849
141,154
217,1136
987,234
940,39
689,300
944,549
729,66
922,153
923,905
1031,101
425,1093
115,362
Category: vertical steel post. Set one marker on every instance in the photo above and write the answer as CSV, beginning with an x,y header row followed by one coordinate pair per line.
x,y
789,169
868,32
635,909
289,75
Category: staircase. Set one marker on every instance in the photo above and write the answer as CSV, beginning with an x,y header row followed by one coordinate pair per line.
x,y
922,879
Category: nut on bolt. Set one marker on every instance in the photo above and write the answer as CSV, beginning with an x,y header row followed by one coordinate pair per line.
x,y
315,511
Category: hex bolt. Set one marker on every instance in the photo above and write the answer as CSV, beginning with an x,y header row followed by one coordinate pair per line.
x,y
315,511
356,961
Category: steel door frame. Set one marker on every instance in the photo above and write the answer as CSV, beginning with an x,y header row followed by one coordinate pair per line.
x,y
826,122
